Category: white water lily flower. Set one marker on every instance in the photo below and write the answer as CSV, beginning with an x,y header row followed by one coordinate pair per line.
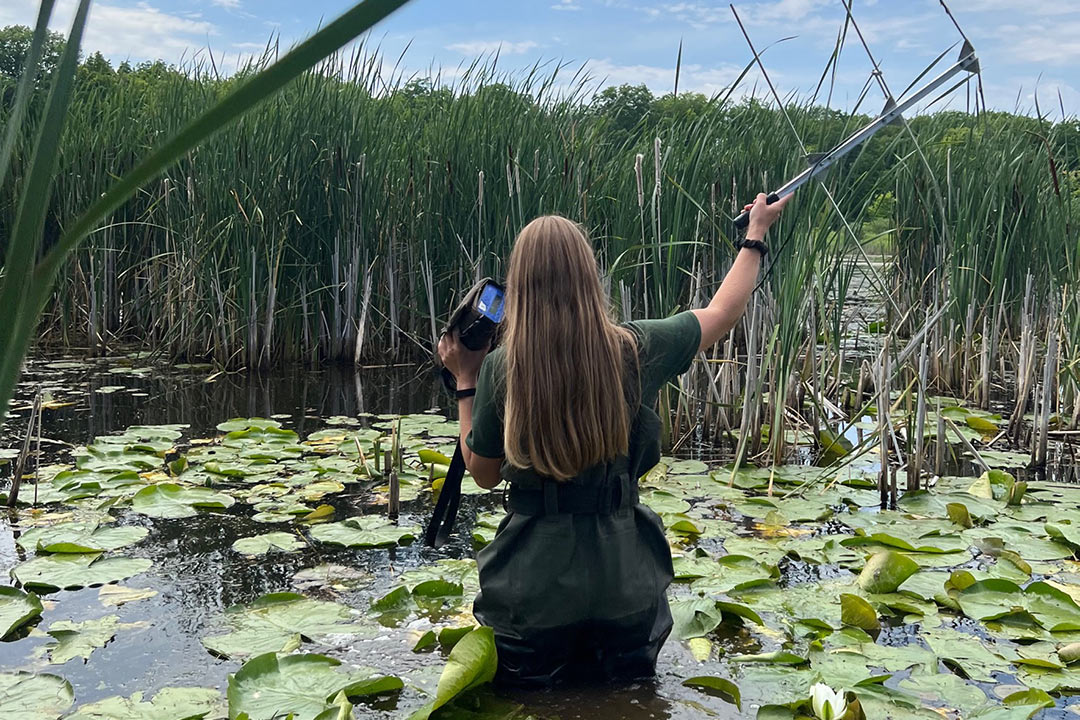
x,y
828,704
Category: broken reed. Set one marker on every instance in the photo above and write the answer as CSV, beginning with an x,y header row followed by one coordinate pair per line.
x,y
338,219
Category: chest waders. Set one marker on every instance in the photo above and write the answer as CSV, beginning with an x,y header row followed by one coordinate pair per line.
x,y
574,583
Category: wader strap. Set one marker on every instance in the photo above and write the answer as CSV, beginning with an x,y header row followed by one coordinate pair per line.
x,y
551,497
606,497
442,518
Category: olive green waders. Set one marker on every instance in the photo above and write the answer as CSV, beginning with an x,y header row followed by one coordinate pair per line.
x,y
574,583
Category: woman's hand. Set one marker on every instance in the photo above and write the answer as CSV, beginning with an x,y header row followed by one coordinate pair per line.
x,y
763,215
460,360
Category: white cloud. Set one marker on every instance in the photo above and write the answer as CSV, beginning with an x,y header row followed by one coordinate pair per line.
x,y
566,5
1054,43
481,47
1027,8
692,78
140,32
227,4
702,15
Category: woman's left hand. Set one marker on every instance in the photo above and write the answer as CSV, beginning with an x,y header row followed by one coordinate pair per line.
x,y
460,360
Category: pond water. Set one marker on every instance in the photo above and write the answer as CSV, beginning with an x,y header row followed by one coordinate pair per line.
x,y
788,571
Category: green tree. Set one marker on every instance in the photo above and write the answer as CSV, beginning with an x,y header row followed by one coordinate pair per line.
x,y
624,107
685,107
96,73
15,46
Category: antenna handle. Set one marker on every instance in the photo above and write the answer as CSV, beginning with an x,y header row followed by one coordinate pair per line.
x,y
743,220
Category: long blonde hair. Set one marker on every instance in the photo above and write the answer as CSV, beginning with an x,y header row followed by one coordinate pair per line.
x,y
566,361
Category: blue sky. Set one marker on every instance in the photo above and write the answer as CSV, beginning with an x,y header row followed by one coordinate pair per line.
x,y
1024,45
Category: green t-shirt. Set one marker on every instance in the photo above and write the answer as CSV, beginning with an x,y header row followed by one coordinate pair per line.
x,y
666,348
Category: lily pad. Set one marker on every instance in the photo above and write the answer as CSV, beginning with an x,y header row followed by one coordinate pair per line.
x,y
858,613
262,544
1039,602
694,618
268,687
364,531
718,686
169,500
80,537
947,690
279,622
886,571
16,609
472,663
777,657
80,639
336,577
171,703
28,696
71,571
117,595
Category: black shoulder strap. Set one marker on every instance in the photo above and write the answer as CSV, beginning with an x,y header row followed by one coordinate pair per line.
x,y
442,518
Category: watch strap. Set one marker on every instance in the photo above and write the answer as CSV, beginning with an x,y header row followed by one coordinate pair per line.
x,y
465,393
758,245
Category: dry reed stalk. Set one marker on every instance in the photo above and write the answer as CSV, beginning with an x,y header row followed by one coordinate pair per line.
x,y
883,423
1025,367
939,442
984,366
24,454
914,479
1046,400
393,505
750,321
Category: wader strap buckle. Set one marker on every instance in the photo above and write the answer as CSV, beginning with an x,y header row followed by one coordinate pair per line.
x,y
551,497
627,492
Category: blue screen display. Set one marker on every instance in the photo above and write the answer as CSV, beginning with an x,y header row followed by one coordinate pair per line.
x,y
491,303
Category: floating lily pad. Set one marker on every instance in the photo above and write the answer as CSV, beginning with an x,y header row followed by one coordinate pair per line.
x,y
1039,603
364,531
80,639
80,537
169,500
965,652
72,571
246,423
27,696
472,663
858,613
268,687
279,622
694,618
434,599
268,542
909,539
729,573
721,687
337,577
885,571
946,690
171,703
16,609
117,595
777,657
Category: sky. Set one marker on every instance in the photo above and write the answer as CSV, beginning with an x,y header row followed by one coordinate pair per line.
x,y
1027,48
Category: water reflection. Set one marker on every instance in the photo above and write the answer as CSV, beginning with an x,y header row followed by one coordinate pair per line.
x,y
107,401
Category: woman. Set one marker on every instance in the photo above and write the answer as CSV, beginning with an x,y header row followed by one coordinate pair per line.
x,y
574,583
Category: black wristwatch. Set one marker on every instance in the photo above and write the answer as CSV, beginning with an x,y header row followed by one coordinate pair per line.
x,y
466,393
758,245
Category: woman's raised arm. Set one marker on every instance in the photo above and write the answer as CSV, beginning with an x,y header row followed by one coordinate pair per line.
x,y
729,302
